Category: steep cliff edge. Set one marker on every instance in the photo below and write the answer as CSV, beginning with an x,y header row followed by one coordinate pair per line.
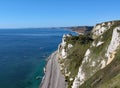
x,y
82,57
91,60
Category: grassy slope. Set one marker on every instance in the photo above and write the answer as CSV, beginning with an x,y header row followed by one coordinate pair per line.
x,y
76,54
115,81
105,77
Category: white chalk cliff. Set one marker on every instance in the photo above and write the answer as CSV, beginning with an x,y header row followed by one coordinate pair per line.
x,y
61,48
96,64
97,55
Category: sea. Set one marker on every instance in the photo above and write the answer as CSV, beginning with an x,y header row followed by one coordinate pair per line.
x,y
24,53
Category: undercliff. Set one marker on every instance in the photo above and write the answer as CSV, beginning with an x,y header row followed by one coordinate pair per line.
x,y
92,60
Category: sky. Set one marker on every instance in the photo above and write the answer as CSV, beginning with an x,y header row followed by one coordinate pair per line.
x,y
56,13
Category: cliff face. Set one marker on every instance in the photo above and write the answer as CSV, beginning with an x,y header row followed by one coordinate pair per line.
x,y
62,47
83,57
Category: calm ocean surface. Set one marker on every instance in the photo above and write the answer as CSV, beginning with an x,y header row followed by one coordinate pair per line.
x,y
23,54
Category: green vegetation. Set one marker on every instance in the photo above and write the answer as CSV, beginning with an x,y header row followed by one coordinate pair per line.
x,y
81,39
100,50
96,77
106,38
76,54
105,78
113,83
108,77
112,77
97,54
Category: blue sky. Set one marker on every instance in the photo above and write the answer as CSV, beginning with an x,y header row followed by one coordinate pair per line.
x,y
53,13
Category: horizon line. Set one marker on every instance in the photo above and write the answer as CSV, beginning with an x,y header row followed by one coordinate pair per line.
x,y
41,27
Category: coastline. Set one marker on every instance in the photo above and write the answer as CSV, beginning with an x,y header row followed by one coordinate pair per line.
x,y
53,77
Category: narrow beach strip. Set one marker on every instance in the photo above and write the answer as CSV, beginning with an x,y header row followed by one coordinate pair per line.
x,y
53,77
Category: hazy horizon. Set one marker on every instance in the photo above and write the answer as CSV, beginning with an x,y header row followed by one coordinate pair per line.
x,y
63,13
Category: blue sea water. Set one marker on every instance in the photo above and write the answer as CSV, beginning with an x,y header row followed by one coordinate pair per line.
x,y
23,54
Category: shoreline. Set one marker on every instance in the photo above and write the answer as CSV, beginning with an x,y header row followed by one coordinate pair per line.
x,y
43,79
53,77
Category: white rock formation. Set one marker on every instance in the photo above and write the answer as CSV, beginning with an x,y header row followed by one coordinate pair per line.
x,y
99,29
93,44
68,74
70,46
61,49
63,41
93,63
86,55
99,43
80,78
71,79
103,64
115,42
83,75
87,52
63,53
